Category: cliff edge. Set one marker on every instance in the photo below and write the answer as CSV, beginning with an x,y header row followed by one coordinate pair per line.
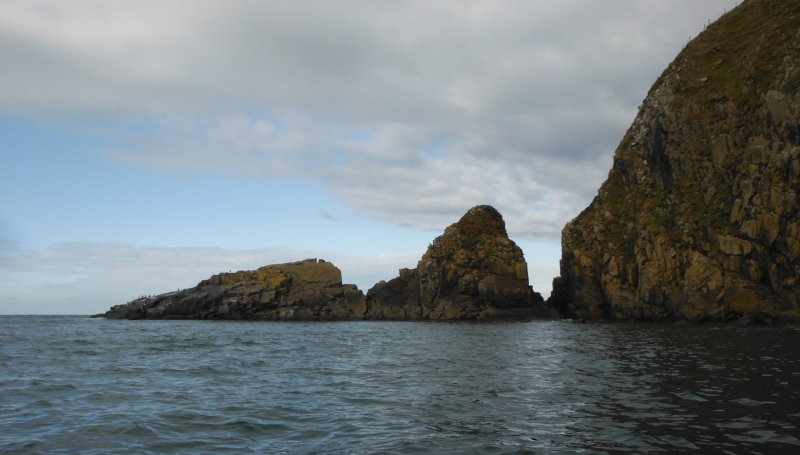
x,y
698,219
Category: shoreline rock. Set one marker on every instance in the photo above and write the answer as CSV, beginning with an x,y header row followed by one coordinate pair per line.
x,y
304,290
471,272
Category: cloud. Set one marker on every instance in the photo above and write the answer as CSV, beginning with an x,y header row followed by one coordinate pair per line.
x,y
410,112
324,214
400,174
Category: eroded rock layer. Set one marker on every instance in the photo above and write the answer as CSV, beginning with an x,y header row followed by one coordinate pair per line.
x,y
698,219
472,271
306,290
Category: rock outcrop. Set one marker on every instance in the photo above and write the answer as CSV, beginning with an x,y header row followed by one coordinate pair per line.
x,y
472,271
698,219
306,290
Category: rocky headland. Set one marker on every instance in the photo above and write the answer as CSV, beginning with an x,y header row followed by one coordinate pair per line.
x,y
471,272
698,219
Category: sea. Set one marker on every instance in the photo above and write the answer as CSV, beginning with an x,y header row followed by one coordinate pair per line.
x,y
76,385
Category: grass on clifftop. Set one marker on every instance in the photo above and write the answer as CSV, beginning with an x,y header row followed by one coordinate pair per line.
x,y
740,54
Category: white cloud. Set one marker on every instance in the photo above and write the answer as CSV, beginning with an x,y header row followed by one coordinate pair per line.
x,y
411,112
400,174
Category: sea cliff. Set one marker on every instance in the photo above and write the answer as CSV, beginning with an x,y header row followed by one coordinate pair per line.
x,y
698,219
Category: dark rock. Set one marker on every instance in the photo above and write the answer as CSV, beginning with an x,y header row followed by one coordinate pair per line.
x,y
395,299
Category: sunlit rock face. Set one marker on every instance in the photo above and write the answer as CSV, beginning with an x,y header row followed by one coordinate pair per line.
x,y
305,290
472,271
698,219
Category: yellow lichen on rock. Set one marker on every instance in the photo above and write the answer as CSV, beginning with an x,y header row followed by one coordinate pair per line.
x,y
305,290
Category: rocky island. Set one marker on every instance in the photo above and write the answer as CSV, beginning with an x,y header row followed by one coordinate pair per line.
x,y
473,271
698,219
304,290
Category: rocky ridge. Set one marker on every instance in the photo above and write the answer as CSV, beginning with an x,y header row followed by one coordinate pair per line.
x,y
305,290
472,271
698,219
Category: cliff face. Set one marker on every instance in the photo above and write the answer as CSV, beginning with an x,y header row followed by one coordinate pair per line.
x,y
472,271
699,219
306,290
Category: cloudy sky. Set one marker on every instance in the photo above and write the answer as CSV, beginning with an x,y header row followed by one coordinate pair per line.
x,y
147,145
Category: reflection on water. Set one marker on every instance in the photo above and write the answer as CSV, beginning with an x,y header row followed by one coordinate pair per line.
x,y
94,386
695,388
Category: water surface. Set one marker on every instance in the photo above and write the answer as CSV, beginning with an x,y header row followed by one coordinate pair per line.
x,y
79,385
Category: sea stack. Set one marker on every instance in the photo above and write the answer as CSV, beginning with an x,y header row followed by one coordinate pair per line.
x,y
473,272
698,219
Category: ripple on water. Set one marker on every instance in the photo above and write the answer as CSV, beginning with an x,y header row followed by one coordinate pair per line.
x,y
93,386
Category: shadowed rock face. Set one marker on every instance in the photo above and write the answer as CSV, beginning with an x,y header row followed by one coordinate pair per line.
x,y
307,290
472,271
699,217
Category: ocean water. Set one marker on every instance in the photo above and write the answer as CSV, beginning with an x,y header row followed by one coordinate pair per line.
x,y
80,385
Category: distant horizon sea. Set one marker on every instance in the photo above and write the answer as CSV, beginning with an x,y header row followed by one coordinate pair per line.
x,y
71,384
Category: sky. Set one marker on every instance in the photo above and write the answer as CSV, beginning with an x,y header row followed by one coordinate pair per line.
x,y
147,145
